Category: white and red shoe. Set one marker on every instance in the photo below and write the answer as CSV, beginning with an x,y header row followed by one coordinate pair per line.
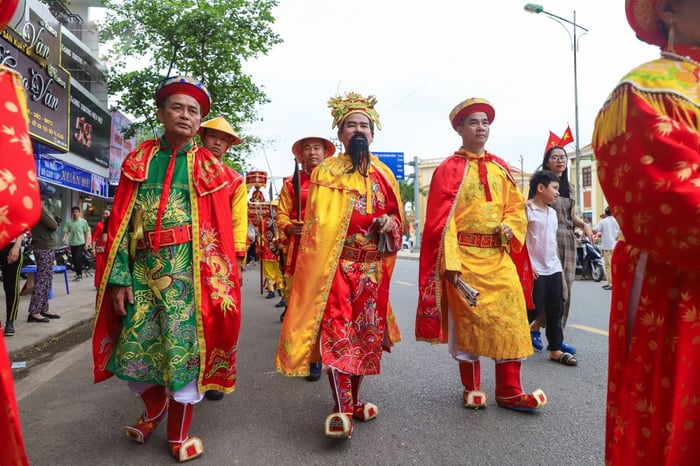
x,y
509,392
470,373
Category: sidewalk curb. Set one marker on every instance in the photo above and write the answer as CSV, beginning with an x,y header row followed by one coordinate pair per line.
x,y
46,340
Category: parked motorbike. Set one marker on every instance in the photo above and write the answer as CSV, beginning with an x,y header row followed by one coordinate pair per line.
x,y
64,257
589,261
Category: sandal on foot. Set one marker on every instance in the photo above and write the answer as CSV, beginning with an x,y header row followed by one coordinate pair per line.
x,y
567,359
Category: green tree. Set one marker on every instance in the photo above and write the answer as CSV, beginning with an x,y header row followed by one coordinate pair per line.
x,y
407,193
208,40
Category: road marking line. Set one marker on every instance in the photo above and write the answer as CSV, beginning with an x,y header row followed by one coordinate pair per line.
x,y
403,283
590,329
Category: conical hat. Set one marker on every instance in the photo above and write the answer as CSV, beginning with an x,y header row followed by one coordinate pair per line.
x,y
220,124
297,149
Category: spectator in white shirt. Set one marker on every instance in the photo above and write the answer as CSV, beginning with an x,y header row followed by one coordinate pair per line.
x,y
541,241
609,232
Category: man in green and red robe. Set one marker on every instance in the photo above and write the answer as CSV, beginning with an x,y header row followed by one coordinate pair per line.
x,y
168,306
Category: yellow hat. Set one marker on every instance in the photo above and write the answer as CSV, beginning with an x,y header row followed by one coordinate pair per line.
x,y
220,124
275,202
469,106
342,107
297,149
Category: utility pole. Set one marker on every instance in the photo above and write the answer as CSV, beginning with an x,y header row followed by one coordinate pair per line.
x,y
522,175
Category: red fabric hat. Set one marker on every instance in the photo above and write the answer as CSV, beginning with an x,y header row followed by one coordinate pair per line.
x,y
184,85
469,106
645,21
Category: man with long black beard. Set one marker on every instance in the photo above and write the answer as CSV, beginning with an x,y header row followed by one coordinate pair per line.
x,y
339,313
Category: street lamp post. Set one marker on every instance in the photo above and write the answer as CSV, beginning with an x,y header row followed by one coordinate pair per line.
x,y
533,8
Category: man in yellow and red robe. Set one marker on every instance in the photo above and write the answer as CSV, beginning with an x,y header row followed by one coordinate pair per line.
x,y
309,152
340,312
270,249
476,214
168,312
647,145
217,137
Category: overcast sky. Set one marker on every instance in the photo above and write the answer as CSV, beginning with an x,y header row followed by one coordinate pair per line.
x,y
421,58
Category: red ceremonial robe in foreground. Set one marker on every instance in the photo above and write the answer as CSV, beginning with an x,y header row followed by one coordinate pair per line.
x,y
20,208
647,145
216,274
329,211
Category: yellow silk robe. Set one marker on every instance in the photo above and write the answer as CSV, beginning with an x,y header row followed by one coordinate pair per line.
x,y
497,326
329,207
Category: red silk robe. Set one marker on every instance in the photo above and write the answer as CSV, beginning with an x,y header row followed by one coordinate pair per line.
x,y
20,209
20,206
647,145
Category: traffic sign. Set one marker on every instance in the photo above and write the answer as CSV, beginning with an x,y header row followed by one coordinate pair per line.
x,y
393,160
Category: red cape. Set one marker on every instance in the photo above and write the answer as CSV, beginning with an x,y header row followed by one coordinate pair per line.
x,y
216,273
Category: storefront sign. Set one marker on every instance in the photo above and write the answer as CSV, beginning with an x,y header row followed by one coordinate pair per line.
x,y
91,126
40,39
47,91
62,174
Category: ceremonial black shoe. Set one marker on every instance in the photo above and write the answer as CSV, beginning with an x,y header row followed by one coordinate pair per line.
x,y
214,395
316,369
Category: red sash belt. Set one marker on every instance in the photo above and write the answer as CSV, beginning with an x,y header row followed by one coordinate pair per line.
x,y
361,255
478,240
168,237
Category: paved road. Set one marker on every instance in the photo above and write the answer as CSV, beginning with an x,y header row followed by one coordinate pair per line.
x,y
274,420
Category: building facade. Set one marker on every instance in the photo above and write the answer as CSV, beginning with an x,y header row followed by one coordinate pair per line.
x,y
55,50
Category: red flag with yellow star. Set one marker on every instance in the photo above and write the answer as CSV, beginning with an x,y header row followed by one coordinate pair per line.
x,y
567,137
552,141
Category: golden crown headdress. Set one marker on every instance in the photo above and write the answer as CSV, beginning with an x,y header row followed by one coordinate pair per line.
x,y
342,107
